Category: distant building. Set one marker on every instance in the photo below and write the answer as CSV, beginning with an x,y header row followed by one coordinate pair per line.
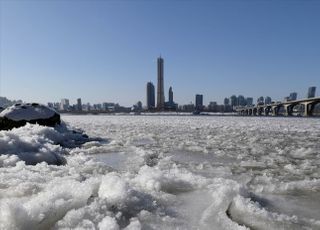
x,y
97,107
293,96
226,105
139,105
170,95
311,92
241,101
188,108
260,100
160,90
267,100
87,107
79,104
171,105
150,96
233,101
64,105
199,102
249,101
213,106
110,106
226,101
56,105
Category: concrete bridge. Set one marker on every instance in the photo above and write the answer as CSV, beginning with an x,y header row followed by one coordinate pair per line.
x,y
307,105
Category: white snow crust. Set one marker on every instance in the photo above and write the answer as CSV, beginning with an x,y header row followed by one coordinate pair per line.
x,y
27,112
163,172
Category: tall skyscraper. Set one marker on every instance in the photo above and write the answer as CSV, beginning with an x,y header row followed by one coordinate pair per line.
x,y
311,92
160,91
79,104
170,96
150,96
199,102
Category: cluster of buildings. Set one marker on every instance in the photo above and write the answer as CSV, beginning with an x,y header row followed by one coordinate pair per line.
x,y
5,102
161,105
79,107
293,96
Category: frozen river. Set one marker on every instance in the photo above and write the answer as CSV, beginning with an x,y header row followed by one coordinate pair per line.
x,y
163,172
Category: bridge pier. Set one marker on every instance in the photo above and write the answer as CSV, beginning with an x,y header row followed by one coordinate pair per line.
x,y
308,108
288,110
254,111
275,110
267,110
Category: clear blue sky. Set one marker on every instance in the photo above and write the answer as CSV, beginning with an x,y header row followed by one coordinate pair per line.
x,y
106,50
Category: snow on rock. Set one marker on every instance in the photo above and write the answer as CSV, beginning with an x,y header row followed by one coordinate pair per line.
x,y
19,114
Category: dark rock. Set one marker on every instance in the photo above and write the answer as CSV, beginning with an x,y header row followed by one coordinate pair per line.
x,y
21,114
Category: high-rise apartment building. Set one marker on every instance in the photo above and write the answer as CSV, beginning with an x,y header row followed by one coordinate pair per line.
x,y
249,101
79,104
241,101
267,100
293,96
234,100
260,100
199,102
150,96
226,101
160,91
170,96
311,92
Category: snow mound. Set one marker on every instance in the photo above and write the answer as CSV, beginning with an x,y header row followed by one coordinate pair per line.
x,y
33,144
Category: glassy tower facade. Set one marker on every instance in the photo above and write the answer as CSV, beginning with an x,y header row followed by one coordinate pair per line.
x,y
150,96
160,91
170,96
199,102
311,92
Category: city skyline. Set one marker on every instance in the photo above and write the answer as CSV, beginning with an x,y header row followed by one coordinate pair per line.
x,y
90,50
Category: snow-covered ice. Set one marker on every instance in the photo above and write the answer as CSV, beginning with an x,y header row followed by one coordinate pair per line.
x,y
162,172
